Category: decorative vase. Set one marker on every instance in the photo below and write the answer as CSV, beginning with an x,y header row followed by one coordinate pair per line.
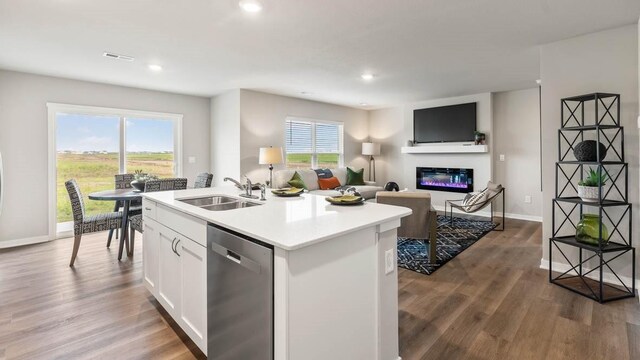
x,y
588,193
587,151
588,230
138,185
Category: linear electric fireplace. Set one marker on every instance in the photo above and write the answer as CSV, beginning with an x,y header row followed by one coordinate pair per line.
x,y
444,179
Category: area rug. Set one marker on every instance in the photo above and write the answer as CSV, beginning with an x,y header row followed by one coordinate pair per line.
x,y
453,239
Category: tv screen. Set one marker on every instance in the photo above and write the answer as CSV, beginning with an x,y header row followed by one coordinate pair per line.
x,y
453,123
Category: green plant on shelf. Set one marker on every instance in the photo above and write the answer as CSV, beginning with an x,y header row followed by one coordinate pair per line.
x,y
594,179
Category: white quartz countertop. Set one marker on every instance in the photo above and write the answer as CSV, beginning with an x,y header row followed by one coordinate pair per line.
x,y
287,223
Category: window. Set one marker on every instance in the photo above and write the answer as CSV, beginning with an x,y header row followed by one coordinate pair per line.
x,y
92,144
313,144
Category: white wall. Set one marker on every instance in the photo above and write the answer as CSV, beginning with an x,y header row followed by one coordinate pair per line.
x,y
225,136
24,147
516,129
263,124
606,61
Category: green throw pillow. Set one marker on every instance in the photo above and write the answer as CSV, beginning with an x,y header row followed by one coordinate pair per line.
x,y
355,177
296,181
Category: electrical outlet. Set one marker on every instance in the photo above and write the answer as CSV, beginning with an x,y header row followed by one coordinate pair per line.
x,y
389,263
192,159
527,199
501,157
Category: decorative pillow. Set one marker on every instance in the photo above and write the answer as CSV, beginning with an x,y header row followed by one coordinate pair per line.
x,y
355,177
323,173
296,181
328,184
474,201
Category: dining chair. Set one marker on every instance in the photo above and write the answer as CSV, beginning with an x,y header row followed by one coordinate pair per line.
x,y
123,181
83,224
203,181
135,221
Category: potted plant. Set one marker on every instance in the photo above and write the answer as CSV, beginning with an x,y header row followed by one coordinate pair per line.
x,y
589,188
479,137
140,179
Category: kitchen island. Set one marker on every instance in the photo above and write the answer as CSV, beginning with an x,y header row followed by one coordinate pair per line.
x,y
332,273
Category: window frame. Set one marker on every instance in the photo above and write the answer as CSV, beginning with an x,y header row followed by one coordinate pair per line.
x,y
58,230
314,153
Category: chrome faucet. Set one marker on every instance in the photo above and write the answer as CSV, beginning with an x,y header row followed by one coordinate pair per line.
x,y
248,187
238,185
263,191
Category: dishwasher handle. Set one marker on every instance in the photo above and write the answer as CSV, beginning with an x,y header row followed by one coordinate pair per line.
x,y
236,258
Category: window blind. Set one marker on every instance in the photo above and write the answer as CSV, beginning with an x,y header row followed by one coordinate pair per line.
x,y
299,137
327,138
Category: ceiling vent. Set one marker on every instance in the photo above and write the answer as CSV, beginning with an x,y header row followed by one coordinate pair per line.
x,y
117,56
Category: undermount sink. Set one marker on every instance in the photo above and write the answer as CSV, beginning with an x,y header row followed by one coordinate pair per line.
x,y
218,203
209,200
229,206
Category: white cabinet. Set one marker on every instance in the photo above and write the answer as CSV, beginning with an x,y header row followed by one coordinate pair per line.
x,y
151,245
193,309
169,281
175,272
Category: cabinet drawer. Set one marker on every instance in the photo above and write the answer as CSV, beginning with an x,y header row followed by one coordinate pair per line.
x,y
149,208
189,226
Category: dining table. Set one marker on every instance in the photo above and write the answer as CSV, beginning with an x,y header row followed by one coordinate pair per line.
x,y
124,197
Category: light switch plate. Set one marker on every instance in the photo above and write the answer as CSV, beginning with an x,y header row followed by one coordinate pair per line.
x,y
389,263
527,199
501,157
192,159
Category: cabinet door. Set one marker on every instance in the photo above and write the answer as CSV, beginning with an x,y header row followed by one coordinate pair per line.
x,y
150,266
169,277
193,310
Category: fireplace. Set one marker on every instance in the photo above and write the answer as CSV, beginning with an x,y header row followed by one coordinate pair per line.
x,y
444,179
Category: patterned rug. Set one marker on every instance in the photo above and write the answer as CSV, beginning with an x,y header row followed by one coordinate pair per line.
x,y
452,240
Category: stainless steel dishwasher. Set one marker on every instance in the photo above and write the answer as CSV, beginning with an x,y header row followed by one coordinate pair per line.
x,y
239,296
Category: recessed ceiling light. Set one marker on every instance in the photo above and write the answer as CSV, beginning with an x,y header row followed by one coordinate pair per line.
x,y
538,81
155,67
367,76
363,104
252,6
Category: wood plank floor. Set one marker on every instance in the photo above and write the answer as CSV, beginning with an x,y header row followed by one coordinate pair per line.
x,y
490,302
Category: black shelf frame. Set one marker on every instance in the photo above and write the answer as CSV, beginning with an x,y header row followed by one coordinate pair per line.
x,y
605,129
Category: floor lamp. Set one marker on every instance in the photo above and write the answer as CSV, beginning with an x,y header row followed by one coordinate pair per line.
x,y
270,155
371,149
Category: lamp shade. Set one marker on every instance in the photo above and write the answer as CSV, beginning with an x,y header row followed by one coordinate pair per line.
x,y
270,155
369,148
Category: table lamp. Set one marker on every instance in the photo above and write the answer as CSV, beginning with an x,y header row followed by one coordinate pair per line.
x,y
371,149
270,155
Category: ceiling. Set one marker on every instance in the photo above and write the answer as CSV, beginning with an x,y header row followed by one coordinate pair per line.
x,y
418,50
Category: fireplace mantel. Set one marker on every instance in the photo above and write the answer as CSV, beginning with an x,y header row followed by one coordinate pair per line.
x,y
445,149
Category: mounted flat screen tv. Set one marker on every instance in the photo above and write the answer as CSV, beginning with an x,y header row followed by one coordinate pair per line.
x,y
453,123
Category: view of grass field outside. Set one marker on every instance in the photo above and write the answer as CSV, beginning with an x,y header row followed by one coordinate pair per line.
x,y
313,144
88,151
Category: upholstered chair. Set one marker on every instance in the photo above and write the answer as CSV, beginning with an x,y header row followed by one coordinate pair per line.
x,y
123,181
422,223
135,221
83,224
203,181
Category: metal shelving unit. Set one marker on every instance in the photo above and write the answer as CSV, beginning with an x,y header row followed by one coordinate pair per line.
x,y
586,275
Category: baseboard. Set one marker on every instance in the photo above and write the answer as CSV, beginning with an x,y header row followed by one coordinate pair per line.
x,y
24,241
606,276
488,214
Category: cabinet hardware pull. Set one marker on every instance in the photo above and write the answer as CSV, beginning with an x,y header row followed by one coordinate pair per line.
x,y
177,253
172,244
147,208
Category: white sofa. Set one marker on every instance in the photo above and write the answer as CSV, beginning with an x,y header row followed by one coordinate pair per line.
x,y
310,178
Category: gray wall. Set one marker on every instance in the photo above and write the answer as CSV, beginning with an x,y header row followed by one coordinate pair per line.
x,y
606,61
262,124
23,138
225,136
516,129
